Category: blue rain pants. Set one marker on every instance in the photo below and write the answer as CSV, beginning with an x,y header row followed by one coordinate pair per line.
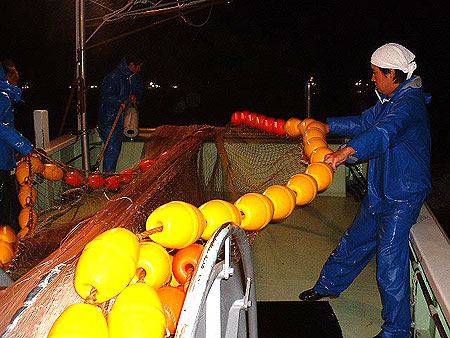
x,y
113,148
385,234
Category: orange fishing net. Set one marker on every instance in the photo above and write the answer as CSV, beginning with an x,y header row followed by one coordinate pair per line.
x,y
200,163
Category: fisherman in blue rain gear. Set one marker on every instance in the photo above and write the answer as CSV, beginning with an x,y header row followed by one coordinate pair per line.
x,y
394,135
10,140
120,87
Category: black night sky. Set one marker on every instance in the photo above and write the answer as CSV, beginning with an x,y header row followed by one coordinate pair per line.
x,y
254,55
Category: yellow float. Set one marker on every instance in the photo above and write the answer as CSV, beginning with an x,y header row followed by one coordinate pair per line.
x,y
305,188
52,172
36,165
292,127
312,132
318,155
256,209
314,143
137,312
27,196
7,234
182,224
218,212
283,200
155,260
25,215
322,173
23,176
305,124
107,264
80,320
6,253
318,125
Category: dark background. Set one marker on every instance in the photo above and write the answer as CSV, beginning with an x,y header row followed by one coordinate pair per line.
x,y
254,55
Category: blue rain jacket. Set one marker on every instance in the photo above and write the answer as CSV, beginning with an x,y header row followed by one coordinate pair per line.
x,y
10,138
395,136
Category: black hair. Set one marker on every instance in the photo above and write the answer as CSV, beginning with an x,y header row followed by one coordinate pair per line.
x,y
135,58
8,66
399,76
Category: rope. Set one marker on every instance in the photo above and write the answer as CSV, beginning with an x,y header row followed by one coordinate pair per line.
x,y
148,233
190,273
141,273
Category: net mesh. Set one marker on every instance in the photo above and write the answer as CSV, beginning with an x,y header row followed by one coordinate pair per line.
x,y
194,164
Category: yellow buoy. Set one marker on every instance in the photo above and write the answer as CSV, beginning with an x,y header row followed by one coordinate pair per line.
x,y
137,312
312,132
218,212
292,127
322,173
305,188
107,264
23,176
27,196
318,125
256,210
182,223
283,200
305,124
52,172
80,320
25,215
318,155
6,253
7,234
314,143
155,260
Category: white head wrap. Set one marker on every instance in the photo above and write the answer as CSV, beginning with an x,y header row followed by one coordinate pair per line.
x,y
394,56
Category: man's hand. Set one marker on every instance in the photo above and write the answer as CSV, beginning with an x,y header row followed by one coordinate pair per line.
x,y
133,99
339,157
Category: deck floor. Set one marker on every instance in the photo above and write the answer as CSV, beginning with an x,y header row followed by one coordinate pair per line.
x,y
289,255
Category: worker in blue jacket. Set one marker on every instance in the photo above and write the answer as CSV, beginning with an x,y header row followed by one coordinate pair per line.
x,y
119,88
10,140
394,136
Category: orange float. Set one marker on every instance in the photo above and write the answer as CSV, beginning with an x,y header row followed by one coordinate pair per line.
x,y
312,132
36,164
322,173
23,176
318,155
182,224
283,200
7,234
52,172
6,253
292,127
186,259
22,233
27,196
217,213
155,260
172,300
305,124
25,215
80,320
318,125
314,143
256,210
305,188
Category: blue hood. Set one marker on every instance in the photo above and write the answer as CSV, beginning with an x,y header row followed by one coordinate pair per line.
x,y
13,91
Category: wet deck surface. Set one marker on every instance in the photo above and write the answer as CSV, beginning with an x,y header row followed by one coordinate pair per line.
x,y
289,255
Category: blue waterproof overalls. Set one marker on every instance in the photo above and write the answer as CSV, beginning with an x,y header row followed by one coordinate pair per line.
x,y
116,88
394,135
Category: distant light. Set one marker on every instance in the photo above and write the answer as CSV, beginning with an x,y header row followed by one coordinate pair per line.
x,y
25,86
93,87
152,85
174,86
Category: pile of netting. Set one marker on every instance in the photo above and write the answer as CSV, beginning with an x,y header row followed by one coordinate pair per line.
x,y
193,164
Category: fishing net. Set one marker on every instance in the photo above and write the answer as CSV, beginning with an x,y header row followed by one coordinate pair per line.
x,y
193,164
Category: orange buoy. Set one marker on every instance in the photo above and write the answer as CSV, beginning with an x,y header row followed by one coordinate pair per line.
x,y
312,132
96,181
318,155
22,233
173,280
292,127
138,313
283,200
322,173
23,176
314,143
305,188
185,259
256,210
36,164
25,215
7,234
113,182
74,178
80,320
305,123
218,212
107,264
52,172
172,300
155,260
318,125
27,196
6,253
182,223
126,175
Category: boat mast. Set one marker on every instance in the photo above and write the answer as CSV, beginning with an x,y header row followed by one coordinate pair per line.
x,y
81,81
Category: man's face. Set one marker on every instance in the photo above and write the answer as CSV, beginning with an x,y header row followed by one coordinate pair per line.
x,y
135,68
384,83
14,77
